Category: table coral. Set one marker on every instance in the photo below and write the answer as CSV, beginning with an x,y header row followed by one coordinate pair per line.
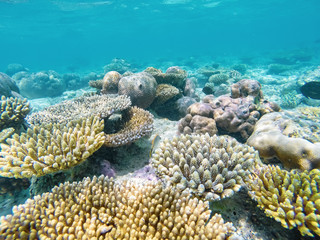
x,y
13,111
291,198
211,167
136,124
81,107
102,209
50,148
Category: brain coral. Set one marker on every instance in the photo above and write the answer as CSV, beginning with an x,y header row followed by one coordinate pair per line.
x,y
101,209
291,198
110,82
212,167
137,123
13,111
81,107
140,87
50,148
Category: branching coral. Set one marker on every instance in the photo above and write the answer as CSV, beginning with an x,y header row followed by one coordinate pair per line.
x,y
291,198
81,107
212,167
102,209
13,111
50,148
137,123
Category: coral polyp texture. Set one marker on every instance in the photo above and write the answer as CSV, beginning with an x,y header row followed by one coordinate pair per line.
x,y
13,111
269,138
102,209
137,123
211,167
291,198
50,148
81,107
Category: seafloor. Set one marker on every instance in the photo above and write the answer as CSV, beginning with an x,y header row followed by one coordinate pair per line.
x,y
280,78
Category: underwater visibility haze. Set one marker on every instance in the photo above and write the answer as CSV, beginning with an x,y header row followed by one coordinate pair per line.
x,y
170,119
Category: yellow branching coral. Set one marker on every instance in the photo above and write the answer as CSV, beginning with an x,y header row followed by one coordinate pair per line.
x,y
291,198
13,111
137,123
5,133
50,148
212,167
81,107
102,209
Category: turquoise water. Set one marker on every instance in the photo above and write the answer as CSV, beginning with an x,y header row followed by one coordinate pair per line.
x,y
78,35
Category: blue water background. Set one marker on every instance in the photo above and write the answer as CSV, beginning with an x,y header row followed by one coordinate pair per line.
x,y
78,35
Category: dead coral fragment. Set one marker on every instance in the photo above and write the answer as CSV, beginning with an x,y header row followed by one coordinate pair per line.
x,y
50,148
102,209
137,123
13,111
81,107
212,167
291,198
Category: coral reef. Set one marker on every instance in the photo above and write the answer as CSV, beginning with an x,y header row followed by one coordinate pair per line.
x,y
199,119
73,81
218,79
40,84
14,68
291,198
245,88
269,138
136,123
140,87
277,68
13,111
50,148
211,167
102,209
164,93
119,65
174,76
110,82
190,88
81,107
8,87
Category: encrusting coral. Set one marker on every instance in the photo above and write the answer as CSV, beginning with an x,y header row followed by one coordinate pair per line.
x,y
137,123
81,107
13,111
102,209
211,167
50,148
291,198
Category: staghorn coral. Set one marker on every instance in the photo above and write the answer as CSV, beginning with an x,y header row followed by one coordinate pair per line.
x,y
50,148
81,107
137,123
212,167
291,198
13,111
102,209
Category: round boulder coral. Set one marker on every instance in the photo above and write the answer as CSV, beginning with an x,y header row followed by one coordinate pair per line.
x,y
140,87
